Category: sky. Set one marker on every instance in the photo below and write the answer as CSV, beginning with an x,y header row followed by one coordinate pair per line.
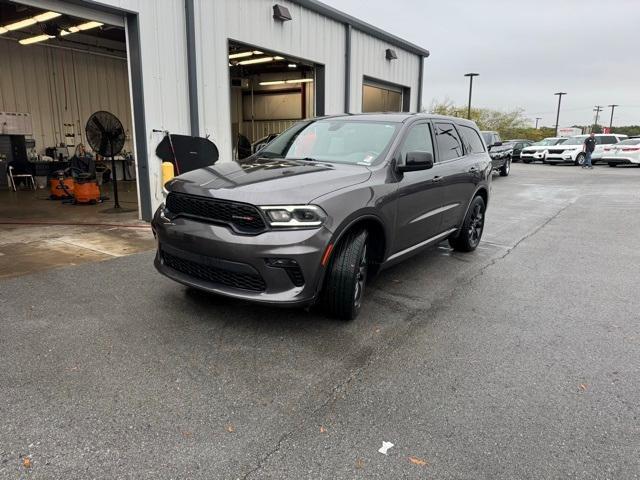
x,y
524,51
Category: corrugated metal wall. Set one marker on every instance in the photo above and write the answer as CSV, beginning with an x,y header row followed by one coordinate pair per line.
x,y
60,87
368,59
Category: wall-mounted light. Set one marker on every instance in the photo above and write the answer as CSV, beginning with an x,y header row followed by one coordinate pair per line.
x,y
391,54
281,13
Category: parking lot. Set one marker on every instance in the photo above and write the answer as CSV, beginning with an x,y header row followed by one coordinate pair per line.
x,y
519,360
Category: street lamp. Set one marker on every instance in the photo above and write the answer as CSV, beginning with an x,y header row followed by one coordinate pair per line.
x,y
613,107
470,75
537,120
560,94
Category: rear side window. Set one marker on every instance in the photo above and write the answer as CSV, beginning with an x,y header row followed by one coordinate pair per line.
x,y
608,140
471,139
448,141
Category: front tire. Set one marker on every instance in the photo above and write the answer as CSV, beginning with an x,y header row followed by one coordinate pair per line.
x,y
506,168
579,159
347,277
469,236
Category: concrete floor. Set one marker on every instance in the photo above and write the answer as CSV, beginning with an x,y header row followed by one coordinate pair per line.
x,y
518,361
37,233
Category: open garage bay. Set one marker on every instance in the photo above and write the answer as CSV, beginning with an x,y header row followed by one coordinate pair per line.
x,y
517,361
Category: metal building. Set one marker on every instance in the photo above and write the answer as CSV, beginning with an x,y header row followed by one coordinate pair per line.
x,y
232,70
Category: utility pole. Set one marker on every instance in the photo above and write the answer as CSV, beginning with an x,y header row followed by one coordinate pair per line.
x,y
560,94
613,107
597,109
470,75
538,119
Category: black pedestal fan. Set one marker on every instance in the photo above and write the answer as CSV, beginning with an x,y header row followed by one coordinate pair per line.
x,y
105,134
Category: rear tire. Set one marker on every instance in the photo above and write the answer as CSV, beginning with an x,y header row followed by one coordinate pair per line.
x,y
469,236
347,276
506,168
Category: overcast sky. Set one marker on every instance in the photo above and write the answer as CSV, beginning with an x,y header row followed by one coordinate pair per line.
x,y
524,51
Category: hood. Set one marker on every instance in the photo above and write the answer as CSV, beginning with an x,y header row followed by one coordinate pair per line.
x,y
269,182
501,149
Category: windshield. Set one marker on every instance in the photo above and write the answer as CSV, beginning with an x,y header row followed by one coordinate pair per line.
x,y
631,141
353,142
488,137
547,141
574,141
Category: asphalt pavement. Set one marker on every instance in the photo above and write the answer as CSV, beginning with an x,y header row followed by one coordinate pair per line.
x,y
518,361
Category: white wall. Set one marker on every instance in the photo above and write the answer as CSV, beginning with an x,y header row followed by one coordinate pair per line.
x,y
61,86
368,59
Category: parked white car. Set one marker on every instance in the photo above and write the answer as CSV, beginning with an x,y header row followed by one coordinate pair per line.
x,y
572,151
624,153
538,151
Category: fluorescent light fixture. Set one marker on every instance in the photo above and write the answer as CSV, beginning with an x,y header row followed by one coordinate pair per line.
x,y
21,24
3,30
64,32
273,82
300,80
257,52
240,55
39,38
89,25
292,65
43,17
278,58
73,29
256,60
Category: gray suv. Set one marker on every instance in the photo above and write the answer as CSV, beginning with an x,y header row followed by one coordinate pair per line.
x,y
325,206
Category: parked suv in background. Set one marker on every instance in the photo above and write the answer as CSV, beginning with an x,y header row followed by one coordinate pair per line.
x,y
572,151
325,206
491,139
538,150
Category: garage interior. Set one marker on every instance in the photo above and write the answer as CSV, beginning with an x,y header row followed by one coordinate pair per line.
x,y
269,93
57,70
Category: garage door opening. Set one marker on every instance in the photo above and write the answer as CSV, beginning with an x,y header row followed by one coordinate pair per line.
x,y
379,96
269,93
57,70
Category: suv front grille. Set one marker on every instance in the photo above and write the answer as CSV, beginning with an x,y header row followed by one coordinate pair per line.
x,y
556,151
243,281
241,217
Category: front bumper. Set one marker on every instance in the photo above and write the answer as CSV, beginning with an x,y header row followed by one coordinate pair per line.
x,y
215,259
560,158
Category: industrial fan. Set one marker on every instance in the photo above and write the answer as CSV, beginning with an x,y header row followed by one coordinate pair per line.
x,y
105,134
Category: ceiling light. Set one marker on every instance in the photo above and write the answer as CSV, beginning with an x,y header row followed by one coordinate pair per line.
x,y
64,32
256,60
278,58
273,82
240,55
21,24
39,38
292,65
43,17
3,30
89,25
300,80
257,52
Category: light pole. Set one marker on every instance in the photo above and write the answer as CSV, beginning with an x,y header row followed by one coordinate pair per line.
x,y
470,75
613,107
560,94
538,119
597,109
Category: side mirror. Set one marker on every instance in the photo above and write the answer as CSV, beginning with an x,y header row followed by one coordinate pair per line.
x,y
416,161
497,144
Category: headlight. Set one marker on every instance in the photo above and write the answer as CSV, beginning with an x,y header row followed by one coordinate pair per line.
x,y
294,216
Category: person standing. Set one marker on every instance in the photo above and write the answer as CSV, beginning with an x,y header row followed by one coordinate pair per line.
x,y
588,147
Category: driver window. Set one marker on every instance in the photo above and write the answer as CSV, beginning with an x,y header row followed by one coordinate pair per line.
x,y
417,140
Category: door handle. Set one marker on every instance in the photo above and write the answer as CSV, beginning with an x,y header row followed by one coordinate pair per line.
x,y
437,179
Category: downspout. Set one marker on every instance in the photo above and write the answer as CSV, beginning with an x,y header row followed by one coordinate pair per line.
x,y
420,78
347,69
192,73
